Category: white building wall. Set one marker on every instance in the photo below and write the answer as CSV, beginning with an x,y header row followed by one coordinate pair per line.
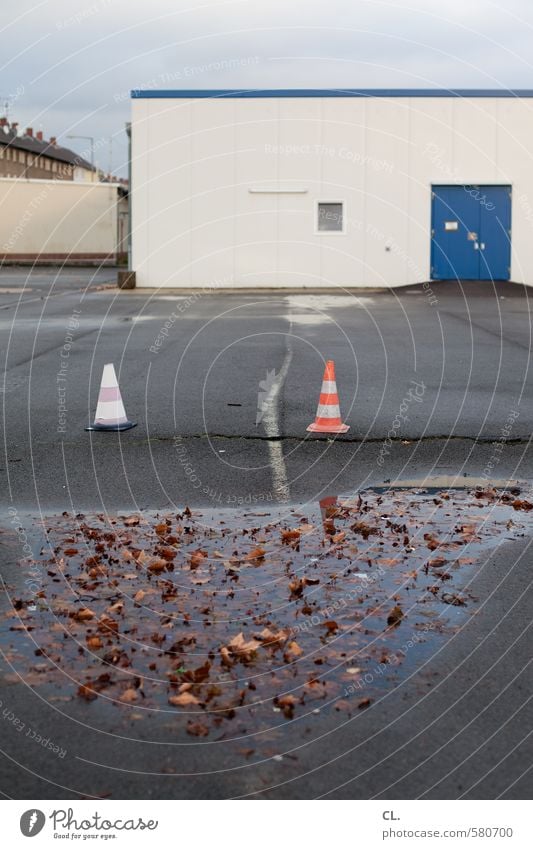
x,y
199,166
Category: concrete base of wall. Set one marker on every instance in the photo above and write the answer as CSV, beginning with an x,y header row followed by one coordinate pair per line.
x,y
58,259
361,291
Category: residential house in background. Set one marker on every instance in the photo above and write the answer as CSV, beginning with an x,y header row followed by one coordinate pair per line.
x,y
31,156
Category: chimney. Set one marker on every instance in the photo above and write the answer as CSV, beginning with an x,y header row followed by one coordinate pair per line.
x,y
14,126
3,122
39,135
29,132
53,140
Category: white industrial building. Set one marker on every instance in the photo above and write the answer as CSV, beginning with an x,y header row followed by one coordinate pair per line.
x,y
354,188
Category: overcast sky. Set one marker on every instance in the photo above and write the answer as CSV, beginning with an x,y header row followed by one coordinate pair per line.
x,y
68,65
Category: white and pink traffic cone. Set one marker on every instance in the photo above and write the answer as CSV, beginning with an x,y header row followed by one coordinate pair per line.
x,y
328,414
110,412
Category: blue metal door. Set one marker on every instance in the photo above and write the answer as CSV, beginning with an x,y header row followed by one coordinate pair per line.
x,y
471,235
495,233
455,234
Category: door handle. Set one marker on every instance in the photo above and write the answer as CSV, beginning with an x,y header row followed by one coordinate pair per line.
x,y
482,246
476,246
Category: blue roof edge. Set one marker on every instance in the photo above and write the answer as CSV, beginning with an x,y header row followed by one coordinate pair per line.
x,y
331,92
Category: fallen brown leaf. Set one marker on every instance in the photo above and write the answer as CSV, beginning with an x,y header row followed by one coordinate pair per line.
x,y
340,537
167,553
129,695
292,651
84,614
522,505
395,616
296,587
157,566
286,703
291,537
197,558
183,700
197,729
256,554
243,649
271,638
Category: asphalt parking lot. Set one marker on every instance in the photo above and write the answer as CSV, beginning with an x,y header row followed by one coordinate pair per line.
x,y
192,368
195,371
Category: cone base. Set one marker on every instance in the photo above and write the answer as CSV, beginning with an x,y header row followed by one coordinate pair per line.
x,y
315,428
117,427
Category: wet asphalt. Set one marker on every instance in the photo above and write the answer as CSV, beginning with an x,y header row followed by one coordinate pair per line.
x,y
195,371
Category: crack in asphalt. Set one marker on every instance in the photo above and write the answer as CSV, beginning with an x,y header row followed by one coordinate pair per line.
x,y
54,347
497,335
360,440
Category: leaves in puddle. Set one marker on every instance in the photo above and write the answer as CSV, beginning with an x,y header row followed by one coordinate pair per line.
x,y
234,621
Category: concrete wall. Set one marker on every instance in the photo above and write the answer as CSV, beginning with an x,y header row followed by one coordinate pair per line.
x,y
58,221
200,168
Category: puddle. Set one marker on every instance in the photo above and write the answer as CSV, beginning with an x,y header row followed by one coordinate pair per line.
x,y
225,622
14,290
310,318
333,301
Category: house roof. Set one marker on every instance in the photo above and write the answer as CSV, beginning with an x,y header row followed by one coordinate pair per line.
x,y
31,144
334,92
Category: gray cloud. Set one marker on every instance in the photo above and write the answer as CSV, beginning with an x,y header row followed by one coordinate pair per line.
x,y
68,65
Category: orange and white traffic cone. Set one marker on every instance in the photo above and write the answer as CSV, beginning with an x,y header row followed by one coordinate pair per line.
x,y
110,412
328,414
